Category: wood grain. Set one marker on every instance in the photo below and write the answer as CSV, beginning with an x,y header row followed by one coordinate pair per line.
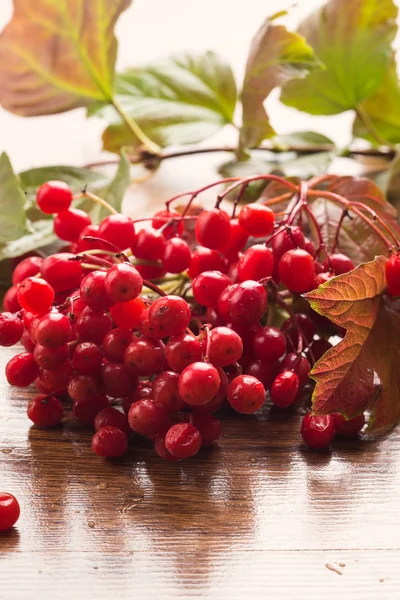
x,y
259,516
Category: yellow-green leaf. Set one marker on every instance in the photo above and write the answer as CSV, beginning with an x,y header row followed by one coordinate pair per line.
x,y
56,55
353,40
13,222
276,56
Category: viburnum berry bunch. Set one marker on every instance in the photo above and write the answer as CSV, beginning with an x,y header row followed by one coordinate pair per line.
x,y
154,325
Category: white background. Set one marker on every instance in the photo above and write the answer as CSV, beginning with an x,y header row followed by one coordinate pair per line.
x,y
147,30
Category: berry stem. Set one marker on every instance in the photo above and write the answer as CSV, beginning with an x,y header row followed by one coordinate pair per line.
x,y
153,287
98,200
277,199
248,180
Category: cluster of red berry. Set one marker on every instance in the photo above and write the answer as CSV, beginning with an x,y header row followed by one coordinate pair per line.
x,y
99,330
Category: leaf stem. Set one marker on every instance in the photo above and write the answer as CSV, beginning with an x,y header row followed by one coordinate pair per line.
x,y
98,200
149,145
364,117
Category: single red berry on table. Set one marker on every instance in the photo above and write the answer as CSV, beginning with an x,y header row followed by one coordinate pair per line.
x,y
183,440
317,431
393,274
127,314
208,286
9,511
69,224
29,267
246,394
170,314
257,219
348,427
119,230
45,411
284,389
11,329
256,263
123,283
111,417
198,383
213,228
110,442
177,255
35,295
54,197
22,370
62,271
297,271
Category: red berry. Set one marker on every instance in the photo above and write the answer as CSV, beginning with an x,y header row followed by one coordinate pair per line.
x,y
27,342
338,263
177,256
181,351
54,197
50,358
317,431
151,271
183,440
45,411
268,343
69,224
61,271
303,323
209,428
93,291
287,239
116,381
297,271
56,380
29,267
83,388
148,418
127,314
284,389
35,295
256,263
198,383
110,442
123,283
116,342
89,231
92,326
264,371
87,358
213,228
208,286
246,394
299,364
393,274
147,328
204,259
86,411
226,346
11,329
9,511
257,219
160,448
317,350
118,230
165,391
322,278
247,303
162,217
53,330
144,356
149,244
22,370
170,315
10,300
348,427
237,239
111,417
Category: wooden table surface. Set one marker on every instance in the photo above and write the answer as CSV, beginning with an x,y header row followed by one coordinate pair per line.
x,y
258,516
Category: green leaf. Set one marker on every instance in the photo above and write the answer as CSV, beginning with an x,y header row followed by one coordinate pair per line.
x,y
42,235
383,109
56,55
302,139
308,165
13,221
75,177
182,99
276,56
347,375
113,193
353,40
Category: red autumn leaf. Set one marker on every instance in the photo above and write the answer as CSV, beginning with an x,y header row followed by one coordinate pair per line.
x,y
362,370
